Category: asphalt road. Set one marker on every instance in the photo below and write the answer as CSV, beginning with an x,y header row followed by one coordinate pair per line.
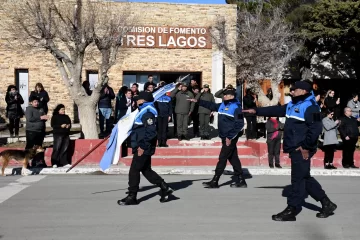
x,y
85,207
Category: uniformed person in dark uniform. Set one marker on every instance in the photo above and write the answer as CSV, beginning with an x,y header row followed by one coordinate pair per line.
x,y
301,131
230,124
143,143
164,107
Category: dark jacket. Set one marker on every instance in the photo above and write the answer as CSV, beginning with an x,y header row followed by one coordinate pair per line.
x,y
298,132
33,121
44,99
349,127
121,107
13,108
205,96
271,130
105,99
145,135
183,105
330,103
248,103
58,120
164,106
229,126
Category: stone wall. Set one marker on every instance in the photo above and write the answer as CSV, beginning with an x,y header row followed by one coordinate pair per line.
x,y
42,67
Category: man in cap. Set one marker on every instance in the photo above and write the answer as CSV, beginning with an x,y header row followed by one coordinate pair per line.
x,y
183,109
230,124
301,131
220,93
143,143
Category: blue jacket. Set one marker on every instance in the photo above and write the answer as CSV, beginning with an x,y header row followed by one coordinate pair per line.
x,y
144,133
164,106
303,124
230,117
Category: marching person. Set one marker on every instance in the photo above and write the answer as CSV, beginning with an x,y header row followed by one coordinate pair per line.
x,y
143,143
165,110
230,124
301,132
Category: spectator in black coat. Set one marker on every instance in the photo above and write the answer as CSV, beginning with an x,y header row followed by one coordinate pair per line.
x,y
164,107
250,103
61,124
349,132
13,109
124,103
105,109
43,96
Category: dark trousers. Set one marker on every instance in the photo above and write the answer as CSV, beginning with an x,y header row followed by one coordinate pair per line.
x,y
34,138
251,127
14,124
329,151
348,151
229,153
59,155
141,164
196,123
302,182
182,121
162,125
102,120
204,124
175,123
274,150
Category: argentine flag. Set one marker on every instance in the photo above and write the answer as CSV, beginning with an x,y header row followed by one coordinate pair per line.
x,y
122,131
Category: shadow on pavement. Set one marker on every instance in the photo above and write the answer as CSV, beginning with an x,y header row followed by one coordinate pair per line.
x,y
174,185
286,193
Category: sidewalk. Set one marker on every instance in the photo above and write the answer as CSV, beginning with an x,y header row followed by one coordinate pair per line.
x,y
180,170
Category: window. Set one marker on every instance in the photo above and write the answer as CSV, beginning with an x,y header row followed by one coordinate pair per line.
x,y
93,77
22,83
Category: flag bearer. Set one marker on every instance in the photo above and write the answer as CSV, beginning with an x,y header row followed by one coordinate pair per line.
x,y
143,143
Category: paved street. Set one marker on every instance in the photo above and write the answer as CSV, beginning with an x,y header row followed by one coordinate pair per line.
x,y
84,207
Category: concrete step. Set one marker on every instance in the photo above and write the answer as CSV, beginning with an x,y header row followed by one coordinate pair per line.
x,y
246,160
195,151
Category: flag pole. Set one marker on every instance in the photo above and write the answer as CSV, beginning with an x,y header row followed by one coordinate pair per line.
x,y
88,153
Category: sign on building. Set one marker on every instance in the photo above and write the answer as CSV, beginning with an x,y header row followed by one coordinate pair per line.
x,y
168,37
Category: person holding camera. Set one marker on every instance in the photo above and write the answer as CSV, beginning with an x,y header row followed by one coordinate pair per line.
x,y
13,109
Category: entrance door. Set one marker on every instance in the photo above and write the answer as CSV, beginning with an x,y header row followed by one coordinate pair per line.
x,y
22,83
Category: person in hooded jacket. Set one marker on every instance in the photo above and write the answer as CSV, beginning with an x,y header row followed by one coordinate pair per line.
x,y
13,109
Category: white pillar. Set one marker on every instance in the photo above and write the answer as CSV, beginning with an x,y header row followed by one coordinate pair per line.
x,y
217,78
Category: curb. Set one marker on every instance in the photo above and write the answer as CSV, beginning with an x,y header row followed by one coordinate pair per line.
x,y
206,170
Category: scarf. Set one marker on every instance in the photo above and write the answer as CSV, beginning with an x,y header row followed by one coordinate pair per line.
x,y
276,133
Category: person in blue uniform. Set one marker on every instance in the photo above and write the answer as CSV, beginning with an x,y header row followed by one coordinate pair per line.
x,y
143,144
230,124
301,131
164,107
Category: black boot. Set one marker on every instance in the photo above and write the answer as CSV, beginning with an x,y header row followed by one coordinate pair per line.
x,y
327,209
214,183
129,200
164,144
239,182
289,214
277,165
166,191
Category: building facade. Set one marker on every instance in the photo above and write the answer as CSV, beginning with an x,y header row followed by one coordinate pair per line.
x,y
171,42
